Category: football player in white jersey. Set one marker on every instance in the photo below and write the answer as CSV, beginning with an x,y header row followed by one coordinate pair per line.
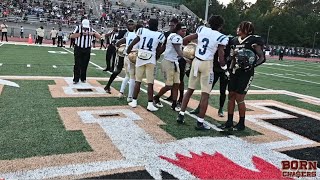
x,y
170,65
129,67
210,40
149,43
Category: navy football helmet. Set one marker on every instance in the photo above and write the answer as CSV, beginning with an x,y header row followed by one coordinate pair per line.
x,y
245,58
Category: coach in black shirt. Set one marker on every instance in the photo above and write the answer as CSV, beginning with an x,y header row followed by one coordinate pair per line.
x,y
83,35
114,36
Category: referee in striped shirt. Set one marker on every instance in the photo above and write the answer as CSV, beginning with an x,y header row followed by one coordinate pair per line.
x,y
83,35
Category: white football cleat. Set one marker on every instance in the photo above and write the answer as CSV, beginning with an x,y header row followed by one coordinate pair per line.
x,y
129,99
152,108
133,104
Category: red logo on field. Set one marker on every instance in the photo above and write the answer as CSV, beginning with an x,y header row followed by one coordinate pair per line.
x,y
217,166
299,168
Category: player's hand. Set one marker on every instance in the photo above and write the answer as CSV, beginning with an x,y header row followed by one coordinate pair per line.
x,y
227,74
92,33
85,33
181,60
248,68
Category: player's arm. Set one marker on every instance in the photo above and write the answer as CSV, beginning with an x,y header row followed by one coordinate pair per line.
x,y
222,61
134,42
261,57
159,50
76,33
121,41
95,34
190,38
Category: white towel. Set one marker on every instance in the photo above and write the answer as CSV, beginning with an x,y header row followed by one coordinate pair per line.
x,y
196,67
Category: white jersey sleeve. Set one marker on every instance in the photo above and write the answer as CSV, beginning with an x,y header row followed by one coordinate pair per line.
x,y
176,39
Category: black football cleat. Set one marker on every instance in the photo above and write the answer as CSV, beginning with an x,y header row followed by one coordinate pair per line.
x,y
168,99
180,119
226,126
107,89
239,127
202,126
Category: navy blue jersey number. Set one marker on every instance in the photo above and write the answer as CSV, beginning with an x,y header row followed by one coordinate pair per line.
x,y
149,44
205,46
130,41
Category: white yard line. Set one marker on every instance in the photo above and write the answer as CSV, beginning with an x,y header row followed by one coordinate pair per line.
x,y
306,73
47,78
1,44
28,65
99,67
276,75
1,64
54,66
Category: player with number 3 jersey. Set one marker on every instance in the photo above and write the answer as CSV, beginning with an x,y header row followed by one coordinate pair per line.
x,y
149,42
210,40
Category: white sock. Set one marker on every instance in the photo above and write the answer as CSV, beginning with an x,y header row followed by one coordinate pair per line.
x,y
182,113
134,101
131,87
124,84
150,103
201,120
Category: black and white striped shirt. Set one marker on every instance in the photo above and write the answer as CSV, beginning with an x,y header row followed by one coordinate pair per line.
x,y
83,41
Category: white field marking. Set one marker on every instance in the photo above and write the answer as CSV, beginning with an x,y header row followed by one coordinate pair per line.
x,y
1,64
140,149
306,67
89,61
276,64
280,75
1,44
8,83
308,74
287,74
54,66
294,139
92,54
58,52
28,65
301,75
50,78
70,88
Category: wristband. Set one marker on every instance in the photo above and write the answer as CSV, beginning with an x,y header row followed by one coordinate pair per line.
x,y
224,67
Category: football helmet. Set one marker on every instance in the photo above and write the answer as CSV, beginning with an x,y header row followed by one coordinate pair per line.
x,y
189,51
121,50
245,58
133,56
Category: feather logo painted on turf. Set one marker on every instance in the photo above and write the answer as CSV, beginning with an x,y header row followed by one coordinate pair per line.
x,y
217,166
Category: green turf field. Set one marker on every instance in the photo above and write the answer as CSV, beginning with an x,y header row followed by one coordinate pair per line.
x,y
30,124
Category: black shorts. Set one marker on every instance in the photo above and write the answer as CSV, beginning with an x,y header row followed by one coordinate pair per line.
x,y
240,81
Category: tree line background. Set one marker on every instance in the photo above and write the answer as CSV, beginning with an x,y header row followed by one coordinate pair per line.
x,y
291,22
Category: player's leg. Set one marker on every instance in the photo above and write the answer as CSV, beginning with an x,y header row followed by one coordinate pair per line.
x,y
191,87
206,81
223,88
139,76
115,74
150,71
168,72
